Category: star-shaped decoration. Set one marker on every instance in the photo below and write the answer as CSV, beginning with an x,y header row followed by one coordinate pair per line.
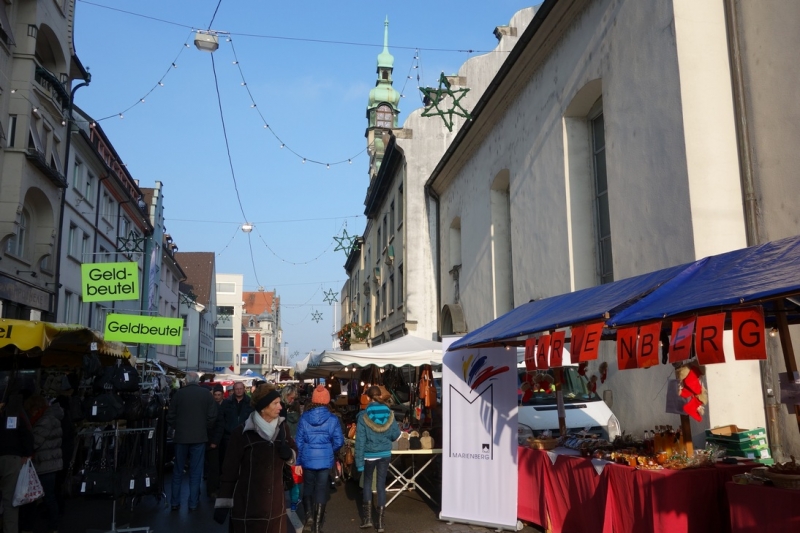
x,y
223,315
316,316
188,298
330,297
346,243
131,243
432,98
295,354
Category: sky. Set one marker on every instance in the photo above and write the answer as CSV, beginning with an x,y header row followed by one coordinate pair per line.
x,y
308,66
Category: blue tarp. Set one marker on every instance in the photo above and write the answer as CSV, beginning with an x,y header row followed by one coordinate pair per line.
x,y
719,282
568,309
741,277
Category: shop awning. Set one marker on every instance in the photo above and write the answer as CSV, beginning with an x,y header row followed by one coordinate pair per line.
x,y
404,351
754,275
594,303
36,338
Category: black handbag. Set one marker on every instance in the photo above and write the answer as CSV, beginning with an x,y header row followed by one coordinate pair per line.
x,y
125,379
98,477
288,478
104,407
133,408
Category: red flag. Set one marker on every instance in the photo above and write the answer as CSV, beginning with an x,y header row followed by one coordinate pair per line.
x,y
647,347
680,346
626,348
591,342
748,334
708,339
557,349
576,342
530,354
542,352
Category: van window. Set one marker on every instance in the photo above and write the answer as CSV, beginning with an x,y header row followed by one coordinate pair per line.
x,y
541,391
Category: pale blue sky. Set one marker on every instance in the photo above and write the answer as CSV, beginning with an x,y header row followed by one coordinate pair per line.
x,y
312,94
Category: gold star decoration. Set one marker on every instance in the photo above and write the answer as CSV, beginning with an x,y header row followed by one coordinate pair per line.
x,y
316,316
330,297
131,243
346,243
433,97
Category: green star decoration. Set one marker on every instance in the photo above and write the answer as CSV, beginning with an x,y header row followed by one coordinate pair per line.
x,y
316,316
131,243
346,243
432,98
189,298
330,297
223,316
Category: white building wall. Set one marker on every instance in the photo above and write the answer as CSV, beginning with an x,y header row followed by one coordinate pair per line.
x,y
230,297
668,205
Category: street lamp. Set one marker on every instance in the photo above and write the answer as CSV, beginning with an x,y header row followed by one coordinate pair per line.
x,y
247,227
206,41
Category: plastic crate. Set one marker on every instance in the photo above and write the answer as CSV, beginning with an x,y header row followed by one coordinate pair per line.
x,y
752,453
734,435
742,446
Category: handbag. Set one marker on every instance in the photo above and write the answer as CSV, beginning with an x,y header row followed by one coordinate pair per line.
x,y
133,408
98,478
414,442
351,431
125,379
288,478
403,442
104,407
29,488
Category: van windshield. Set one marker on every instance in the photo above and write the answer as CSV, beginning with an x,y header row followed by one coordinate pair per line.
x,y
537,388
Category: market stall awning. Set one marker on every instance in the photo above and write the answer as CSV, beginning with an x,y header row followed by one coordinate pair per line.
x,y
748,276
564,310
35,338
405,351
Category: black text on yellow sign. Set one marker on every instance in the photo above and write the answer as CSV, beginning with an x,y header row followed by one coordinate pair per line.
x,y
107,282
134,329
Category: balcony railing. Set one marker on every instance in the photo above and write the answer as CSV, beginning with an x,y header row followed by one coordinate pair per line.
x,y
40,161
51,85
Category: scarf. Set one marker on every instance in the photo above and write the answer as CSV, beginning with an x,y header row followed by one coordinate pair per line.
x,y
268,430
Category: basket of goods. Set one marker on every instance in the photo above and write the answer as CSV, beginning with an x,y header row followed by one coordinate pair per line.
x,y
784,475
542,443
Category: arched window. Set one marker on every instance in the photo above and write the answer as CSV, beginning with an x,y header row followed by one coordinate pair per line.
x,y
17,243
384,117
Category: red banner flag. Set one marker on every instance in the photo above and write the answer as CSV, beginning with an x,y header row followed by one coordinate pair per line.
x,y
680,345
576,342
626,348
647,347
591,342
542,352
557,349
748,334
708,339
530,354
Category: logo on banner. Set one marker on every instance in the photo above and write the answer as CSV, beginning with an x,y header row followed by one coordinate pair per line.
x,y
476,373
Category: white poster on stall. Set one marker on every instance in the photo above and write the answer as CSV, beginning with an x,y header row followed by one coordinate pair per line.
x,y
479,434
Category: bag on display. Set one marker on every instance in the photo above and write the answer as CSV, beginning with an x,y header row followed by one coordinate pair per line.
x,y
403,441
91,365
414,442
104,408
125,379
426,440
134,409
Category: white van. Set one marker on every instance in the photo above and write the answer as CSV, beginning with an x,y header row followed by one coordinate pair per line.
x,y
584,410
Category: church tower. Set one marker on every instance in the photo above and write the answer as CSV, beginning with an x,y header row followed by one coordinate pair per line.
x,y
382,107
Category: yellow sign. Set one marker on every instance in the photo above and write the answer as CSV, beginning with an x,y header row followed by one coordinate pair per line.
x,y
144,329
107,282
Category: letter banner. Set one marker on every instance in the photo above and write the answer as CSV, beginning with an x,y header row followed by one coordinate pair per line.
x,y
708,339
680,347
144,329
591,341
748,334
557,349
626,348
109,282
647,347
479,437
530,354
542,352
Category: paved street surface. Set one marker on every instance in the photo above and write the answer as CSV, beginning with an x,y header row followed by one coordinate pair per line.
x,y
409,513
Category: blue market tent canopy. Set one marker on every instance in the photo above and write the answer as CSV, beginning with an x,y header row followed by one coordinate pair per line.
x,y
254,375
739,278
594,303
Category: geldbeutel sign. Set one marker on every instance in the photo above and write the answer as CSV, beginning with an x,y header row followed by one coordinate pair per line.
x,y
107,282
143,329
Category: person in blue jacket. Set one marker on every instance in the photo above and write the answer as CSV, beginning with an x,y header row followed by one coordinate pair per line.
x,y
376,430
319,437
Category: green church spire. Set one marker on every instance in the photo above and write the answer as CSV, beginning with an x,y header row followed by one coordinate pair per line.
x,y
385,59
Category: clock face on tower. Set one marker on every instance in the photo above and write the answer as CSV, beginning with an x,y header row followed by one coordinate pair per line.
x,y
384,117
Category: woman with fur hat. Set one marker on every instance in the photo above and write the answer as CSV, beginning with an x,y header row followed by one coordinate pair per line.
x,y
251,482
375,433
319,437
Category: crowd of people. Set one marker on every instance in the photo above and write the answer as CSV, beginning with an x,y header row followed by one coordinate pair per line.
x,y
255,445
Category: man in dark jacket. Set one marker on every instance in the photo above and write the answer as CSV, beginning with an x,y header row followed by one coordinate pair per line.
x,y
16,446
235,411
213,458
192,412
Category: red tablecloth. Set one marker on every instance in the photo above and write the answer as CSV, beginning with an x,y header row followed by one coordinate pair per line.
x,y
574,498
757,509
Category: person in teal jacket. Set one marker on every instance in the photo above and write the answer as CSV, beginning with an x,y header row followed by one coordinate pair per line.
x,y
375,433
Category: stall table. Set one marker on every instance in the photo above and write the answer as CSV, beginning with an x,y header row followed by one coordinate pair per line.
x,y
570,495
406,479
758,508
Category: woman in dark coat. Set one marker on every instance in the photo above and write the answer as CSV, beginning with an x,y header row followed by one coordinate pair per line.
x,y
319,436
251,483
